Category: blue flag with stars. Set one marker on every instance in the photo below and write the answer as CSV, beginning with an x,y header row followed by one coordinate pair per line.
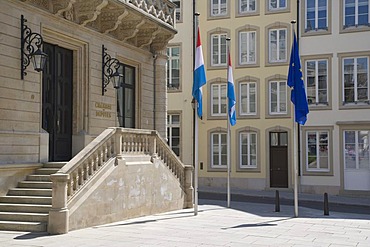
x,y
295,81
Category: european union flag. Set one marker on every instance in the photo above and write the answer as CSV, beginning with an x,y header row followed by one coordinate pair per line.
x,y
295,81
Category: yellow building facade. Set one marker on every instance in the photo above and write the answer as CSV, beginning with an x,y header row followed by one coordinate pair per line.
x,y
261,140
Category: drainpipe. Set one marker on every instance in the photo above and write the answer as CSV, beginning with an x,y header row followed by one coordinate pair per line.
x,y
155,56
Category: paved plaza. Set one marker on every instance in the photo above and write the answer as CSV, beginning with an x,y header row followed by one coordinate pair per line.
x,y
243,224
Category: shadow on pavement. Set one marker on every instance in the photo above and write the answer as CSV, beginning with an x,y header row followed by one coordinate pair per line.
x,y
333,207
287,210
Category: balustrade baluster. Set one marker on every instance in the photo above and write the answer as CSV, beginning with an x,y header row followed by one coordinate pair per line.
x,y
147,144
136,145
124,144
69,187
104,153
101,157
133,142
85,171
112,150
109,149
75,184
96,162
80,174
91,166
140,144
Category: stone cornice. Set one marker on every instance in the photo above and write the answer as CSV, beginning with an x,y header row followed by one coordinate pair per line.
x,y
148,25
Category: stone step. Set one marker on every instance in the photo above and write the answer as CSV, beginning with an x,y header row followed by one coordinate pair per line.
x,y
26,199
23,226
54,165
25,208
35,184
45,178
29,192
46,171
20,216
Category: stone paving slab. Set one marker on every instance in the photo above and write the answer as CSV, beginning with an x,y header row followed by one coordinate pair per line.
x,y
244,224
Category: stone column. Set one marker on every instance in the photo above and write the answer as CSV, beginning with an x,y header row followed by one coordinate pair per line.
x,y
189,190
161,94
59,214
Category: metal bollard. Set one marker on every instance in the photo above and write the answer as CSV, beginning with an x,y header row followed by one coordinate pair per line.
x,y
277,202
326,204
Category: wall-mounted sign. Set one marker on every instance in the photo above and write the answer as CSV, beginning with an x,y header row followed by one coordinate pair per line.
x,y
101,107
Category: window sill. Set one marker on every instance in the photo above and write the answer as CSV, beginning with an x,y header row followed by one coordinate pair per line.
x,y
217,169
318,173
316,32
351,29
248,169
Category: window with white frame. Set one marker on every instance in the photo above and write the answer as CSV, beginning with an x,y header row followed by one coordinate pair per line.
x,y
247,47
356,149
218,150
248,98
356,80
218,7
247,6
317,81
317,151
218,99
173,132
173,67
178,10
316,15
277,97
277,4
248,149
356,13
218,49
278,45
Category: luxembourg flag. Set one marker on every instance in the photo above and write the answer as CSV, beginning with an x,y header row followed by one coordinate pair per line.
x,y
199,76
231,93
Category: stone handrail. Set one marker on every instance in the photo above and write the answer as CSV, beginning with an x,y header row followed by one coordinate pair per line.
x,y
166,154
161,9
112,143
87,162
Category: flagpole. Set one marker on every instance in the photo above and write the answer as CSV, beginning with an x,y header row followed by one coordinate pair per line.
x,y
196,133
228,129
295,160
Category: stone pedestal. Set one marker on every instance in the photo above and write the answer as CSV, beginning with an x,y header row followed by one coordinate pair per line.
x,y
59,215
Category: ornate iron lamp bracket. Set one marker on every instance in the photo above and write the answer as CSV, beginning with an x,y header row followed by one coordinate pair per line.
x,y
29,42
109,67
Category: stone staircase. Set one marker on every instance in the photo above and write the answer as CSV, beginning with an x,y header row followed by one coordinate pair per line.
x,y
26,207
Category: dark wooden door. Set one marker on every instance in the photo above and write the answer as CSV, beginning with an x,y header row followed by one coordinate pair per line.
x,y
278,159
57,101
126,97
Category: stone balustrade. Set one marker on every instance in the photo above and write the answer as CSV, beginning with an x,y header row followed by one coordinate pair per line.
x,y
113,143
161,9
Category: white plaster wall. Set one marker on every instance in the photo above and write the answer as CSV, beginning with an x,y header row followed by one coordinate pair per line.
x,y
334,43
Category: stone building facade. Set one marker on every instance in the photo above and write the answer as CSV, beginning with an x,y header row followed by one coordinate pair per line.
x,y
52,115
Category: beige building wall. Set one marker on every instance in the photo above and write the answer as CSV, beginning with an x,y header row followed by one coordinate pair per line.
x,y
22,139
179,100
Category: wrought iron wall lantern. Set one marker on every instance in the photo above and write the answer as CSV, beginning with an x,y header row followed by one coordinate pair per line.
x,y
29,42
110,67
